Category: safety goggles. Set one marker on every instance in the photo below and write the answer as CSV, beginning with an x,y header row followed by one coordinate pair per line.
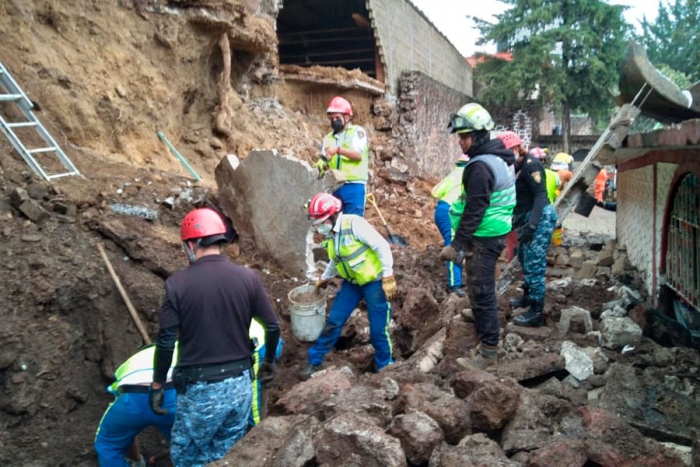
x,y
458,122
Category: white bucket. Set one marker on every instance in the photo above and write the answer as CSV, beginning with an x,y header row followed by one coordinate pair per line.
x,y
308,317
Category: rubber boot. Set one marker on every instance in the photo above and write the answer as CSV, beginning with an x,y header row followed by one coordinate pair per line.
x,y
457,290
485,358
534,317
308,370
522,302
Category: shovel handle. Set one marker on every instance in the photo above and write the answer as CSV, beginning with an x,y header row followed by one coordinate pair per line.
x,y
373,201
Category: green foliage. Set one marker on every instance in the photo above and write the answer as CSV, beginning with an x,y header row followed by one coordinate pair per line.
x,y
566,51
673,39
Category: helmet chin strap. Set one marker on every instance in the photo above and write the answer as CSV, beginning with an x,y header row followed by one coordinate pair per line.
x,y
191,254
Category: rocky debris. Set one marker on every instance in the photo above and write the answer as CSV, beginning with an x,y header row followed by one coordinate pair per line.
x,y
492,404
599,359
137,211
309,396
298,449
588,270
578,363
473,451
451,413
573,312
619,332
540,334
21,200
419,435
363,400
470,380
531,426
522,369
564,453
354,439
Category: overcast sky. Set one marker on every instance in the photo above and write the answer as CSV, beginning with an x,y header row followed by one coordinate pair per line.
x,y
450,17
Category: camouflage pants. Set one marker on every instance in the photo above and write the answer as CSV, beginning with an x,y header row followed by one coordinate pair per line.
x,y
209,419
533,255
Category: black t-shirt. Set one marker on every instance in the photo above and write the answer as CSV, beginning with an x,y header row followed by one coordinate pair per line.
x,y
212,302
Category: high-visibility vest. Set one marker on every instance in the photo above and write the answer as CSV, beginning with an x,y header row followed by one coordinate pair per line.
x,y
551,179
138,369
355,261
352,169
450,188
497,219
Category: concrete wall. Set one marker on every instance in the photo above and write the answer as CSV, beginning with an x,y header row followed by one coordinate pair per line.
x,y
640,218
408,41
425,106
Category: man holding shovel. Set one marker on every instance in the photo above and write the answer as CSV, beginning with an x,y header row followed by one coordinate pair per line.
x,y
362,257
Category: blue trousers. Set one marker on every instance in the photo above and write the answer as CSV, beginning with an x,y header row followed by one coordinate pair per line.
x,y
379,314
210,419
353,197
442,220
533,255
124,419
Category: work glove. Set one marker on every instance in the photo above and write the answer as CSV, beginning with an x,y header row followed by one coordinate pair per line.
x,y
266,373
389,287
449,253
321,165
155,400
526,233
320,284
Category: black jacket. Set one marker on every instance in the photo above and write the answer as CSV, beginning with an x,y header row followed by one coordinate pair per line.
x,y
530,190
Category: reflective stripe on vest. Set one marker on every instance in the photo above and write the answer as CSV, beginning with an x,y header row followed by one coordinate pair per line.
x,y
355,261
353,170
497,218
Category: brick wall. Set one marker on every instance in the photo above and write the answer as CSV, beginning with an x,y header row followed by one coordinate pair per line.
x,y
635,218
425,106
408,41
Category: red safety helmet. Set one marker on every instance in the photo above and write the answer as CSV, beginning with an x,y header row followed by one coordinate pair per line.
x,y
204,224
510,139
322,206
339,105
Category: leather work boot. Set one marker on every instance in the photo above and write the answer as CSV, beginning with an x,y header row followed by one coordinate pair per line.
x,y
485,358
534,317
522,302
457,290
308,370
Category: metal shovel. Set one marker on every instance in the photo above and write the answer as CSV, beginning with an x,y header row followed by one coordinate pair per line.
x,y
397,240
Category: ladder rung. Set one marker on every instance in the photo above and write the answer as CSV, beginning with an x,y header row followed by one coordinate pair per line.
x,y
10,97
51,177
34,151
20,124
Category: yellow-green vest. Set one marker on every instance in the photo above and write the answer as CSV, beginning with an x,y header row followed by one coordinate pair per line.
x,y
354,170
450,188
551,179
497,219
140,361
355,261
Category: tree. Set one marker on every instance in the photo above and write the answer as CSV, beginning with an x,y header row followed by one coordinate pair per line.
x,y
673,39
566,54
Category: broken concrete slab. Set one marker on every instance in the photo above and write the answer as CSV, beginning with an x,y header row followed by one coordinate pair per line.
x,y
522,369
574,312
578,363
419,435
605,258
619,332
353,439
473,451
271,221
588,269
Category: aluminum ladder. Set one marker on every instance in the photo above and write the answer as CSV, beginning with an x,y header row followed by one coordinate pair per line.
x,y
12,93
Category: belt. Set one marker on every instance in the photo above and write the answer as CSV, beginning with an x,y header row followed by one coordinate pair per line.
x,y
140,388
215,372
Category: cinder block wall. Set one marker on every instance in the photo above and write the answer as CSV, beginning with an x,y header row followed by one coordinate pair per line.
x,y
408,41
425,107
640,219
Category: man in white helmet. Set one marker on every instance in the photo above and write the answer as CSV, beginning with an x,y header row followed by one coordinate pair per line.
x,y
481,219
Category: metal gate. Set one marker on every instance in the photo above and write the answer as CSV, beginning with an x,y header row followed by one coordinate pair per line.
x,y
683,253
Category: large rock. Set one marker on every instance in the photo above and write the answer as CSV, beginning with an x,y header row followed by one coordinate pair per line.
x,y
419,435
532,424
264,196
619,332
298,449
309,396
564,453
473,451
578,363
363,400
522,369
470,380
451,413
493,404
350,439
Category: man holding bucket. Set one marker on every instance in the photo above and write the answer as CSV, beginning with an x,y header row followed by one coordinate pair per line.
x,y
362,257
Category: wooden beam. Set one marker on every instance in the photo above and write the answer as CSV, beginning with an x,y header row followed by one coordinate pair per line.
x,y
329,62
329,53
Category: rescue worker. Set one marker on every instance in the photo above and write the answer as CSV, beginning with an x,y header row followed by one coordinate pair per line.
x,y
562,161
552,180
481,218
600,181
346,149
362,257
534,220
447,192
130,411
211,305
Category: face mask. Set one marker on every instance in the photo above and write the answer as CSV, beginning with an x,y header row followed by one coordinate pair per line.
x,y
338,125
324,229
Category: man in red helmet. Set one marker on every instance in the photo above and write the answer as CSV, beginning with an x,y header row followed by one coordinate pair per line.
x,y
362,257
346,149
211,305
